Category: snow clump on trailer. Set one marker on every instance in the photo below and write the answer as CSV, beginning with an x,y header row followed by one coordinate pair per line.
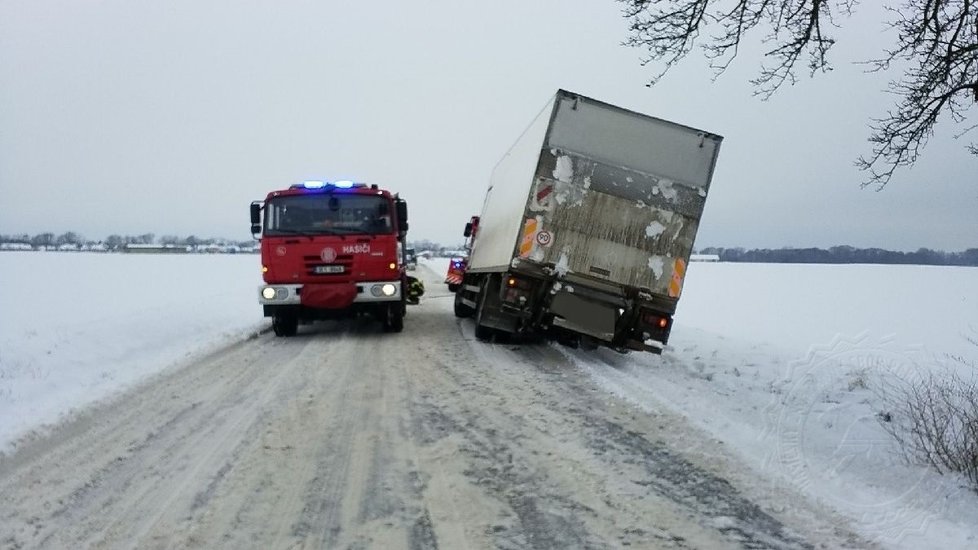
x,y
566,191
665,187
654,230
564,171
563,263
657,264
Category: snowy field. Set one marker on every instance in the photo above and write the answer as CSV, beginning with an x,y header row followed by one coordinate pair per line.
x,y
779,362
784,363
77,327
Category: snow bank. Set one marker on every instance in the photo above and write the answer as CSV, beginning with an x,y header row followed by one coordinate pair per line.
x,y
785,364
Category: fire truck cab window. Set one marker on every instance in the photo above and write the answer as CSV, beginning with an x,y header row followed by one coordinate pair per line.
x,y
332,214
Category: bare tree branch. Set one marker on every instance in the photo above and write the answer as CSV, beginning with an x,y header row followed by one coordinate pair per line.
x,y
937,40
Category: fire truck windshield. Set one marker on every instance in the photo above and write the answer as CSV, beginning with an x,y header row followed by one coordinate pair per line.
x,y
328,214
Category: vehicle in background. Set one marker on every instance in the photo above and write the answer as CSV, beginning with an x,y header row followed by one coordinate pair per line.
x,y
331,250
410,259
456,265
587,227
456,273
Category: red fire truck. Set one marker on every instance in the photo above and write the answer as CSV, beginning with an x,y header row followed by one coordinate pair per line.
x,y
457,264
331,250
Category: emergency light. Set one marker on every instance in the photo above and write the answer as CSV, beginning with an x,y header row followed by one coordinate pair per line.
x,y
317,184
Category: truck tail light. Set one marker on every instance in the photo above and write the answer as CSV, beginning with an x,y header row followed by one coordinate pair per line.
x,y
655,320
516,290
513,282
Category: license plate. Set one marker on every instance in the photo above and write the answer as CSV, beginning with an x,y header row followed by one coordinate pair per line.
x,y
328,269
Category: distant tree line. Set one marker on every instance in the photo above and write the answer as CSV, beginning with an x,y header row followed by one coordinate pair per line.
x,y
844,255
112,242
833,255
426,244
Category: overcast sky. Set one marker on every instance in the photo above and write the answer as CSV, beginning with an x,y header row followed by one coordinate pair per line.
x,y
127,116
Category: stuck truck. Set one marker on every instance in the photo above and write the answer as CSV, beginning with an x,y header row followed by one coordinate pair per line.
x,y
587,227
331,250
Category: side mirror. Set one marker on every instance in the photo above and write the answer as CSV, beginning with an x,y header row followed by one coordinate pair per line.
x,y
255,218
402,215
468,230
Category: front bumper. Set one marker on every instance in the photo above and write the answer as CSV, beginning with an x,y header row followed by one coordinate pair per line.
x,y
367,291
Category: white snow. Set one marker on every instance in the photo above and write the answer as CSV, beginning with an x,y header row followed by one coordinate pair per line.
x,y
777,361
654,229
565,192
563,262
657,264
784,362
78,327
665,187
564,171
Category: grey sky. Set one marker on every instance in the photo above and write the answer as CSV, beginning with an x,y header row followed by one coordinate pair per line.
x,y
170,117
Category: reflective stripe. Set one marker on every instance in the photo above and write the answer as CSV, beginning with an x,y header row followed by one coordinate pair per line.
x,y
678,273
529,236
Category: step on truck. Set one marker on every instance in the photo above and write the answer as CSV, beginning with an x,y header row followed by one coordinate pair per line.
x,y
587,227
331,250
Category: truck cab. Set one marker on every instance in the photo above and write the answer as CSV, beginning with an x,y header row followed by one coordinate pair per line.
x,y
331,250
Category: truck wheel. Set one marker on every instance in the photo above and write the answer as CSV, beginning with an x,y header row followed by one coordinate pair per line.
x,y
285,325
461,310
483,332
394,317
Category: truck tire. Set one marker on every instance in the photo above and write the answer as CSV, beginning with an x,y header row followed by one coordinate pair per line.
x,y
483,332
394,317
461,310
285,324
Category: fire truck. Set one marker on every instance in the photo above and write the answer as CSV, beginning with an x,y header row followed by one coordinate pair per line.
x,y
457,264
331,250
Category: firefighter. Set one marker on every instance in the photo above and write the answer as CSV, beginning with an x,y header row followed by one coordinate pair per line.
x,y
415,288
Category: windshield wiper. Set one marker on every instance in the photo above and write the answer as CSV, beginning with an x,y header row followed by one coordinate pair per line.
x,y
286,231
297,232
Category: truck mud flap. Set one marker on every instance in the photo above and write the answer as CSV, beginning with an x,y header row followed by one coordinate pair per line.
x,y
490,313
468,295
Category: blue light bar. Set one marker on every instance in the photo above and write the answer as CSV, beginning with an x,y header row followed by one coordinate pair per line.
x,y
313,184
344,184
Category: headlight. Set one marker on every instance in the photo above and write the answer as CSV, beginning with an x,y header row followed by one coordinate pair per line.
x,y
385,289
275,293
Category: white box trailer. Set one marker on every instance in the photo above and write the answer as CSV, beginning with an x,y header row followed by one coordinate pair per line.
x,y
588,225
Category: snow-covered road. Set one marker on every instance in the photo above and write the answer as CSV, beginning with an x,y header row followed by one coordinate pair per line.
x,y
348,437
